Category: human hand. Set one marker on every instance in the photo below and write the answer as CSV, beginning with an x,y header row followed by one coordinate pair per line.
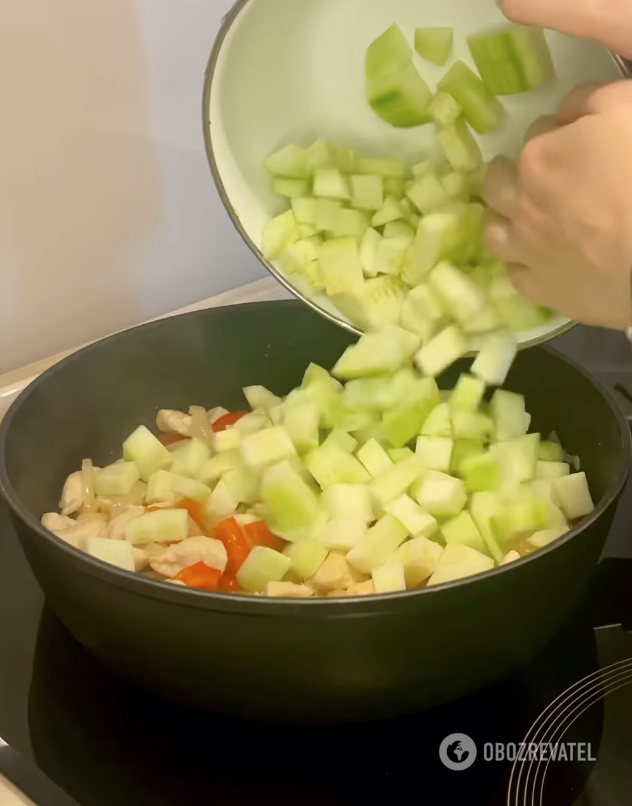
x,y
562,215
606,21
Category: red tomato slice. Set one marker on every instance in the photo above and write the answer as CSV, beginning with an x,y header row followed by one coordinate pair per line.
x,y
201,576
259,534
237,546
229,584
171,439
227,420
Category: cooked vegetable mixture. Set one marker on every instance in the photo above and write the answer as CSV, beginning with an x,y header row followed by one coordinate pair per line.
x,y
369,233
366,480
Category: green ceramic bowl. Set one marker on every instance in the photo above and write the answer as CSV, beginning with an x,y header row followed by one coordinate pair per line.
x,y
293,70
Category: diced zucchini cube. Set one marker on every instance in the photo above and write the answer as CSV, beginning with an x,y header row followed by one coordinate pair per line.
x,y
458,562
289,500
147,452
278,234
119,553
468,394
495,358
552,470
573,496
442,496
435,453
374,458
266,447
442,351
378,545
261,566
163,526
413,517
343,533
367,192
389,578
330,183
306,557
463,530
420,558
340,264
289,162
480,473
118,479
349,501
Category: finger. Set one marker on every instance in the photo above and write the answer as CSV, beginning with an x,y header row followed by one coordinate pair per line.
x,y
543,125
500,186
580,102
575,17
500,239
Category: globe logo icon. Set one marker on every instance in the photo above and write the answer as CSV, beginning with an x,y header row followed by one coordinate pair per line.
x,y
457,752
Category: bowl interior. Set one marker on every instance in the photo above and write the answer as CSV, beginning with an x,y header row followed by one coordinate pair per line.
x,y
286,71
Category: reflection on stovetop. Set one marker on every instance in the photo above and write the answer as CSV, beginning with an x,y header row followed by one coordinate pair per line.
x,y
104,742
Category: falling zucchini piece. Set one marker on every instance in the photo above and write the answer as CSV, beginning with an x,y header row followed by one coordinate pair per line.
x,y
434,44
459,147
512,60
482,110
395,90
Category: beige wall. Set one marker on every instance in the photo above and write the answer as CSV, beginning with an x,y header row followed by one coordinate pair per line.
x,y
108,214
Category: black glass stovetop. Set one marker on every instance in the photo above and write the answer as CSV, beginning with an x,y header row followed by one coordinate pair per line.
x,y
76,735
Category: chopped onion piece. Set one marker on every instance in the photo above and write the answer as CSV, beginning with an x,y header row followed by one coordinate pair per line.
x,y
87,485
200,425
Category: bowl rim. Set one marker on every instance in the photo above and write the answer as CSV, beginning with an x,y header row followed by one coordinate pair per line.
x,y
229,19
248,604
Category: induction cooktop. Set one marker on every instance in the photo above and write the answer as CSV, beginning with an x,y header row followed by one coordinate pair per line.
x,y
557,732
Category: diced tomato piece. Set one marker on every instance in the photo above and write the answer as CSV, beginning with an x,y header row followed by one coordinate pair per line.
x,y
237,546
259,534
195,510
227,420
171,439
229,583
200,575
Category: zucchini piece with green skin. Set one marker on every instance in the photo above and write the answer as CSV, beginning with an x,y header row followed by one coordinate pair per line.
x,y
290,188
349,501
216,466
290,502
398,454
389,578
458,562
519,519
434,44
341,440
480,473
463,530
482,110
297,256
147,452
368,252
467,394
398,95
378,545
306,557
459,147
384,351
572,494
118,479
330,183
404,422
460,295
261,566
465,449
243,485
517,458
278,234
290,162
423,312
442,352
440,495
119,553
420,557
340,264
367,192
435,452
164,526
374,458
444,109
222,502
438,423
483,506
512,60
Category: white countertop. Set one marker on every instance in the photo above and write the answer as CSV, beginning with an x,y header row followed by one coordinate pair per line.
x,y
12,383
